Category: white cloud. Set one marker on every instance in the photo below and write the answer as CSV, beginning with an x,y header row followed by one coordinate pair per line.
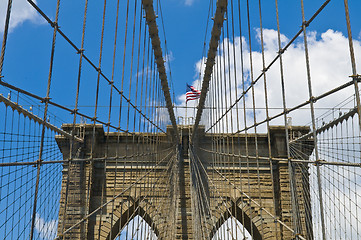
x,y
330,67
233,229
46,230
21,12
137,228
341,202
188,2
168,58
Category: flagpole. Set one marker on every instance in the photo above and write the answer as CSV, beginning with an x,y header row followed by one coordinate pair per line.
x,y
185,119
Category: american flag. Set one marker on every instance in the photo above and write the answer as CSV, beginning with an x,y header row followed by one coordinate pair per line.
x,y
192,93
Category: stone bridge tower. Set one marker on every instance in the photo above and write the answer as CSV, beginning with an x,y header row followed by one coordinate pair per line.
x,y
92,183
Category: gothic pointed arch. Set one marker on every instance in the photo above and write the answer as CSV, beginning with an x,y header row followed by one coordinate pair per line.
x,y
136,209
242,217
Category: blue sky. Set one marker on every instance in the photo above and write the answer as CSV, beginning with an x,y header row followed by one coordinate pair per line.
x,y
29,43
185,26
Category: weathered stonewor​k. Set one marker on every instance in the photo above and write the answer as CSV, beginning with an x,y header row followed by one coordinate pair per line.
x,y
114,177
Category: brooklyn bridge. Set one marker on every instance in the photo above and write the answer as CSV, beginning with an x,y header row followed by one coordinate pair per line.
x,y
98,142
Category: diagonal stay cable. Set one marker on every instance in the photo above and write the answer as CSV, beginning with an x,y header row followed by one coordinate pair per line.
x,y
223,202
145,198
306,24
89,159
37,119
297,107
154,35
329,125
55,25
115,197
296,160
212,51
72,111
247,196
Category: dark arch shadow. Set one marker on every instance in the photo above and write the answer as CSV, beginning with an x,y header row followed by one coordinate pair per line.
x,y
127,216
242,217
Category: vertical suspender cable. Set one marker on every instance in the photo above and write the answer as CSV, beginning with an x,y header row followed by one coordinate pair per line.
x,y
75,111
313,122
290,167
213,46
44,118
267,117
354,76
5,36
153,33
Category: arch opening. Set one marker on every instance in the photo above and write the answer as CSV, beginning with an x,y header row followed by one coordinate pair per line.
x,y
137,228
232,229
235,219
135,223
